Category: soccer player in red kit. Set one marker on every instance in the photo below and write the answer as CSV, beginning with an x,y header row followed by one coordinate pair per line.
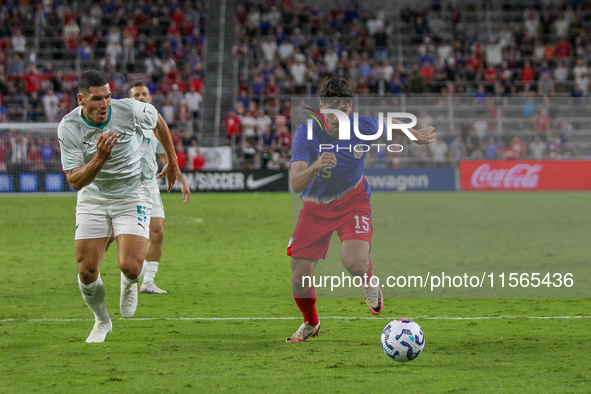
x,y
336,197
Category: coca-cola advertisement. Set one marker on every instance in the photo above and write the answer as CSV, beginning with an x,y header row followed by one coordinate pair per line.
x,y
525,175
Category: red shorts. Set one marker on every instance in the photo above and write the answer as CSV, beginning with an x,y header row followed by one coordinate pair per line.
x,y
312,234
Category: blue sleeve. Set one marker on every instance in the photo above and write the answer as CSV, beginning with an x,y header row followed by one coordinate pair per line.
x,y
301,149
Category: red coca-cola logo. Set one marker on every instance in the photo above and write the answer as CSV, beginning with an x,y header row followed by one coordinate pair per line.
x,y
520,176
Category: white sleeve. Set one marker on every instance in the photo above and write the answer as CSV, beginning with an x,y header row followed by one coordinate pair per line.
x,y
72,156
146,116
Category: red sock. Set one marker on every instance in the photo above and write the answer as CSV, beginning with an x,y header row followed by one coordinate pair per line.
x,y
369,271
307,305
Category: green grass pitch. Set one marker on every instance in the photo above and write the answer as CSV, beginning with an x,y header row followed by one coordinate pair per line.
x,y
224,257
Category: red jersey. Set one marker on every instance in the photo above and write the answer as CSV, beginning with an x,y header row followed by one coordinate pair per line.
x,y
233,125
182,160
198,162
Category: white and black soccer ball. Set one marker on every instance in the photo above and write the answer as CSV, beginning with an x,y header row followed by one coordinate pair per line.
x,y
403,340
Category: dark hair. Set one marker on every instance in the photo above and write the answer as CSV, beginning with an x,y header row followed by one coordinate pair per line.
x,y
137,84
336,87
89,79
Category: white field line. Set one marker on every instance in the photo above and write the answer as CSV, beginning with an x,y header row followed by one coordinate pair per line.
x,y
299,318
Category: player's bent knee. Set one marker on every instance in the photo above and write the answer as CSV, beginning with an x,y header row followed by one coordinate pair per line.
x,y
131,271
356,265
88,272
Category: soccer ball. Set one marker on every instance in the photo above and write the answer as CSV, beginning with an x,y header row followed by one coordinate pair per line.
x,y
403,340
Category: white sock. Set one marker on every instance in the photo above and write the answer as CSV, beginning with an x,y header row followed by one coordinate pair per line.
x,y
94,295
127,281
151,269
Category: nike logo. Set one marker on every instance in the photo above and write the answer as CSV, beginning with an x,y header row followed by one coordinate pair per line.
x,y
123,136
142,226
87,143
86,294
144,109
61,140
77,226
252,184
361,231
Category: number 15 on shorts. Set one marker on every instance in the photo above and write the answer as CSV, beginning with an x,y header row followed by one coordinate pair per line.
x,y
361,224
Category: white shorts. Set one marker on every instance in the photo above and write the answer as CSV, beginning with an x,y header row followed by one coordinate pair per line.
x,y
157,206
96,216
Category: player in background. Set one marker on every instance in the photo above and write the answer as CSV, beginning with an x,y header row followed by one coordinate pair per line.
x,y
100,142
152,147
336,197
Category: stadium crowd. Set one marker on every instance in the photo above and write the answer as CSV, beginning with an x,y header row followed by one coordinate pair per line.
x,y
292,47
44,44
287,48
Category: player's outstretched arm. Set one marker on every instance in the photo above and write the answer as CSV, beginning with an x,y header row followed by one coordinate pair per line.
x,y
84,175
184,187
424,136
302,174
171,169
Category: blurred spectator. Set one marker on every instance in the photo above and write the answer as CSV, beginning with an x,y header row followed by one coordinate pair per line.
x,y
542,121
194,100
269,48
198,161
458,150
491,148
537,148
581,73
85,52
518,147
298,71
168,111
181,156
18,42
264,123
175,95
249,124
554,147
480,126
268,139
16,66
47,150
35,107
438,151
546,85
424,120
284,137
188,139
50,105
183,112
560,73
233,127
34,158
3,153
18,148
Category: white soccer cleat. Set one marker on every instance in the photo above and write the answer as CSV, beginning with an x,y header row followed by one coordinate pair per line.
x,y
304,332
100,331
128,300
374,299
151,288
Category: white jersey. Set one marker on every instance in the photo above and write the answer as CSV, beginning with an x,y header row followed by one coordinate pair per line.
x,y
150,148
127,167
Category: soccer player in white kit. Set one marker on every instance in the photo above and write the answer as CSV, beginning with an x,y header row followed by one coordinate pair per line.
x,y
100,142
140,91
